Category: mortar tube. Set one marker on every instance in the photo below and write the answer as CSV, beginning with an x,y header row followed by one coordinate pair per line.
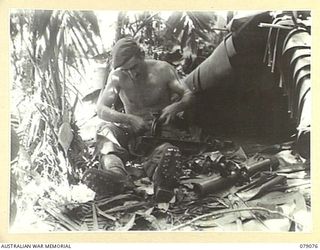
x,y
219,183
264,165
215,184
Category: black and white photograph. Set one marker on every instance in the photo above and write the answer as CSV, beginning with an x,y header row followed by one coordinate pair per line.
x,y
189,121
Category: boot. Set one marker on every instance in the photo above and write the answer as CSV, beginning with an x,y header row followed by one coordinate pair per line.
x,y
105,182
164,168
111,180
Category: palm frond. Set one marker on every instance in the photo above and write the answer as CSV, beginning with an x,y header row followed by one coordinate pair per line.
x,y
91,18
84,33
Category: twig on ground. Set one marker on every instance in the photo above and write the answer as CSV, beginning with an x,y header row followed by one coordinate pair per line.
x,y
232,211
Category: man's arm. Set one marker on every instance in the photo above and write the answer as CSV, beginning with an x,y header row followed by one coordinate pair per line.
x,y
107,99
186,97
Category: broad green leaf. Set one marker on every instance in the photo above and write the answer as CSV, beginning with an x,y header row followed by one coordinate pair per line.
x,y
65,136
70,55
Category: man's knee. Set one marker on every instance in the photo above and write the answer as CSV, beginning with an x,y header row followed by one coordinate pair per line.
x,y
113,162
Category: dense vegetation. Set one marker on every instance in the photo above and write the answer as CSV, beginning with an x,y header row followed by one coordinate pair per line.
x,y
51,52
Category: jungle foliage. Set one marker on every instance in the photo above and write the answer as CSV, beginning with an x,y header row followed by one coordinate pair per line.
x,y
50,53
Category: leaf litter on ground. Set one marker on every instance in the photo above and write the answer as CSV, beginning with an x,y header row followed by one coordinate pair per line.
x,y
132,211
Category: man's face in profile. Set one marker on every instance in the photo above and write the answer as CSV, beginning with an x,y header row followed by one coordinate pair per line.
x,y
133,67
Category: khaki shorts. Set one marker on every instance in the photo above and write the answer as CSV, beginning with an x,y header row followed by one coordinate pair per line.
x,y
115,139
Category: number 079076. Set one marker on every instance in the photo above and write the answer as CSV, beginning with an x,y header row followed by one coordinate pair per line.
x,y
308,246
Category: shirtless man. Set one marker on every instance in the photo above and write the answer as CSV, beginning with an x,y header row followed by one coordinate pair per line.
x,y
145,87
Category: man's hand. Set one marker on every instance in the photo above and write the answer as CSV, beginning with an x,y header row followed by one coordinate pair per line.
x,y
138,124
168,114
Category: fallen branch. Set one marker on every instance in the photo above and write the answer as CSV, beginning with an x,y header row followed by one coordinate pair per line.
x,y
232,211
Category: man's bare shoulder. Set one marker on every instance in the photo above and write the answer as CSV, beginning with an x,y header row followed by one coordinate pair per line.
x,y
114,76
158,64
115,72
